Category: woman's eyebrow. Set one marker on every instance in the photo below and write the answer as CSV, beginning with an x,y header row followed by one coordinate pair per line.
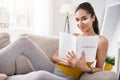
x,y
80,18
83,17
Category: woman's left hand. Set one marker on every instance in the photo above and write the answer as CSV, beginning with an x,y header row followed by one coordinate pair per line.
x,y
73,61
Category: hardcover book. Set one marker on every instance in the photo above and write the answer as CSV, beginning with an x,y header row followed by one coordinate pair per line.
x,y
78,44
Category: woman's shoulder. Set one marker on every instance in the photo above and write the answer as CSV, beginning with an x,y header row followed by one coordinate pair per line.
x,y
103,40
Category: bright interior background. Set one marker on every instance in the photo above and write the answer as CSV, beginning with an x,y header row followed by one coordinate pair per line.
x,y
42,17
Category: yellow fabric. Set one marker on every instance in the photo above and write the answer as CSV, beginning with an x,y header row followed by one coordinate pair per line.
x,y
70,71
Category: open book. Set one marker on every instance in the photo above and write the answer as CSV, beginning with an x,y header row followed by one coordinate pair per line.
x,y
69,42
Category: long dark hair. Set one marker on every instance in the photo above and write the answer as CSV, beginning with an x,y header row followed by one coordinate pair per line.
x,y
88,7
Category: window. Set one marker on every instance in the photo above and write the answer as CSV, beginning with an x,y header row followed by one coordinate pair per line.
x,y
29,14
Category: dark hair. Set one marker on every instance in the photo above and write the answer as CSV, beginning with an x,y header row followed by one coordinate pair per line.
x,y
87,6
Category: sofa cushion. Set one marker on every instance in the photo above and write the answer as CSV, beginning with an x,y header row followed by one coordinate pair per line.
x,y
9,70
4,41
24,68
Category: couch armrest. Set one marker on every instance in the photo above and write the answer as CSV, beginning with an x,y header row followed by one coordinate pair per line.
x,y
4,39
102,75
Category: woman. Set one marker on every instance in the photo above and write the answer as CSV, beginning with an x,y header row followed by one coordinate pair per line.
x,y
88,25
64,69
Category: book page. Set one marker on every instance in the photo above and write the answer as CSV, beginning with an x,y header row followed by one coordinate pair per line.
x,y
67,43
88,44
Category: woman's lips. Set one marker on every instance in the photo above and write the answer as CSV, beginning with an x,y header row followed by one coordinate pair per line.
x,y
81,27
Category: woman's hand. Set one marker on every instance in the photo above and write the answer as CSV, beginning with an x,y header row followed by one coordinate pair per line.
x,y
73,61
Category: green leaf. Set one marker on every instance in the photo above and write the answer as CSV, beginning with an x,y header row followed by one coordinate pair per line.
x,y
110,60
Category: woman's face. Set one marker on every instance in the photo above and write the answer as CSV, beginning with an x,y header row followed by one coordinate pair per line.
x,y
84,20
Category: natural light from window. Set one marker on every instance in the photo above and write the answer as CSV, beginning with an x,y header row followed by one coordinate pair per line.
x,y
34,14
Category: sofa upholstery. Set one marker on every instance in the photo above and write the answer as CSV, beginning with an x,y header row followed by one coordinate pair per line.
x,y
49,46
4,39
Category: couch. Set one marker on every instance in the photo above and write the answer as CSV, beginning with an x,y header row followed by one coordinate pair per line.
x,y
49,46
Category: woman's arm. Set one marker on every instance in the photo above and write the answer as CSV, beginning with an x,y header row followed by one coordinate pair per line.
x,y
101,54
100,57
56,59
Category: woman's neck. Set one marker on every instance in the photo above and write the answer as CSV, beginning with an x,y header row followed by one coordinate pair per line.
x,y
88,33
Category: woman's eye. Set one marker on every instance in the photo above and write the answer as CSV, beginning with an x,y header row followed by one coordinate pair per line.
x,y
77,19
84,19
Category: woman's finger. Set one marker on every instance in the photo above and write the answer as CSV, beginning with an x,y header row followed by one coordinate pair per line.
x,y
71,54
68,55
83,55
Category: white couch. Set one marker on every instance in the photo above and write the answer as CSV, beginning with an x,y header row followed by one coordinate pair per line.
x,y
49,46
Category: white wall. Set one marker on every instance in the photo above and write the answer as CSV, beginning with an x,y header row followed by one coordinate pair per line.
x,y
111,29
113,49
58,19
112,1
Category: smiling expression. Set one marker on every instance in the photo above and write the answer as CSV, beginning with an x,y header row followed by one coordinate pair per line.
x,y
84,20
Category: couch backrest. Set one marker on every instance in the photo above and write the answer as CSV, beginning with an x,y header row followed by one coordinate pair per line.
x,y
49,44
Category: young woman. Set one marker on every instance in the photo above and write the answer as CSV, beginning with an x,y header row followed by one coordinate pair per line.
x,y
72,67
88,24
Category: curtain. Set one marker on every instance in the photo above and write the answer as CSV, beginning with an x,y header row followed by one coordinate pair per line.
x,y
42,12
35,14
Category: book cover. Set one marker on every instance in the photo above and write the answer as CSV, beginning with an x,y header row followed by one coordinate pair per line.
x,y
69,42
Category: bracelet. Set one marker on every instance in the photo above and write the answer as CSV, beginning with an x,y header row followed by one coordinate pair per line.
x,y
91,70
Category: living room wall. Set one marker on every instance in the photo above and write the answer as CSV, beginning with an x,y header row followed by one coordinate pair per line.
x,y
58,19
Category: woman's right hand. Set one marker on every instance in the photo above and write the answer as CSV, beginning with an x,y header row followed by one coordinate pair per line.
x,y
79,63
3,76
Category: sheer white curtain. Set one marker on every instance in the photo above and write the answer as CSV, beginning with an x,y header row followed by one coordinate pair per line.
x,y
35,14
20,12
42,12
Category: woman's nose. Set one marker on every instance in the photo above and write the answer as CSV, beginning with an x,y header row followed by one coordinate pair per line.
x,y
79,22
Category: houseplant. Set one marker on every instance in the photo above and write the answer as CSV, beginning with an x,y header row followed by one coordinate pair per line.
x,y
109,63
